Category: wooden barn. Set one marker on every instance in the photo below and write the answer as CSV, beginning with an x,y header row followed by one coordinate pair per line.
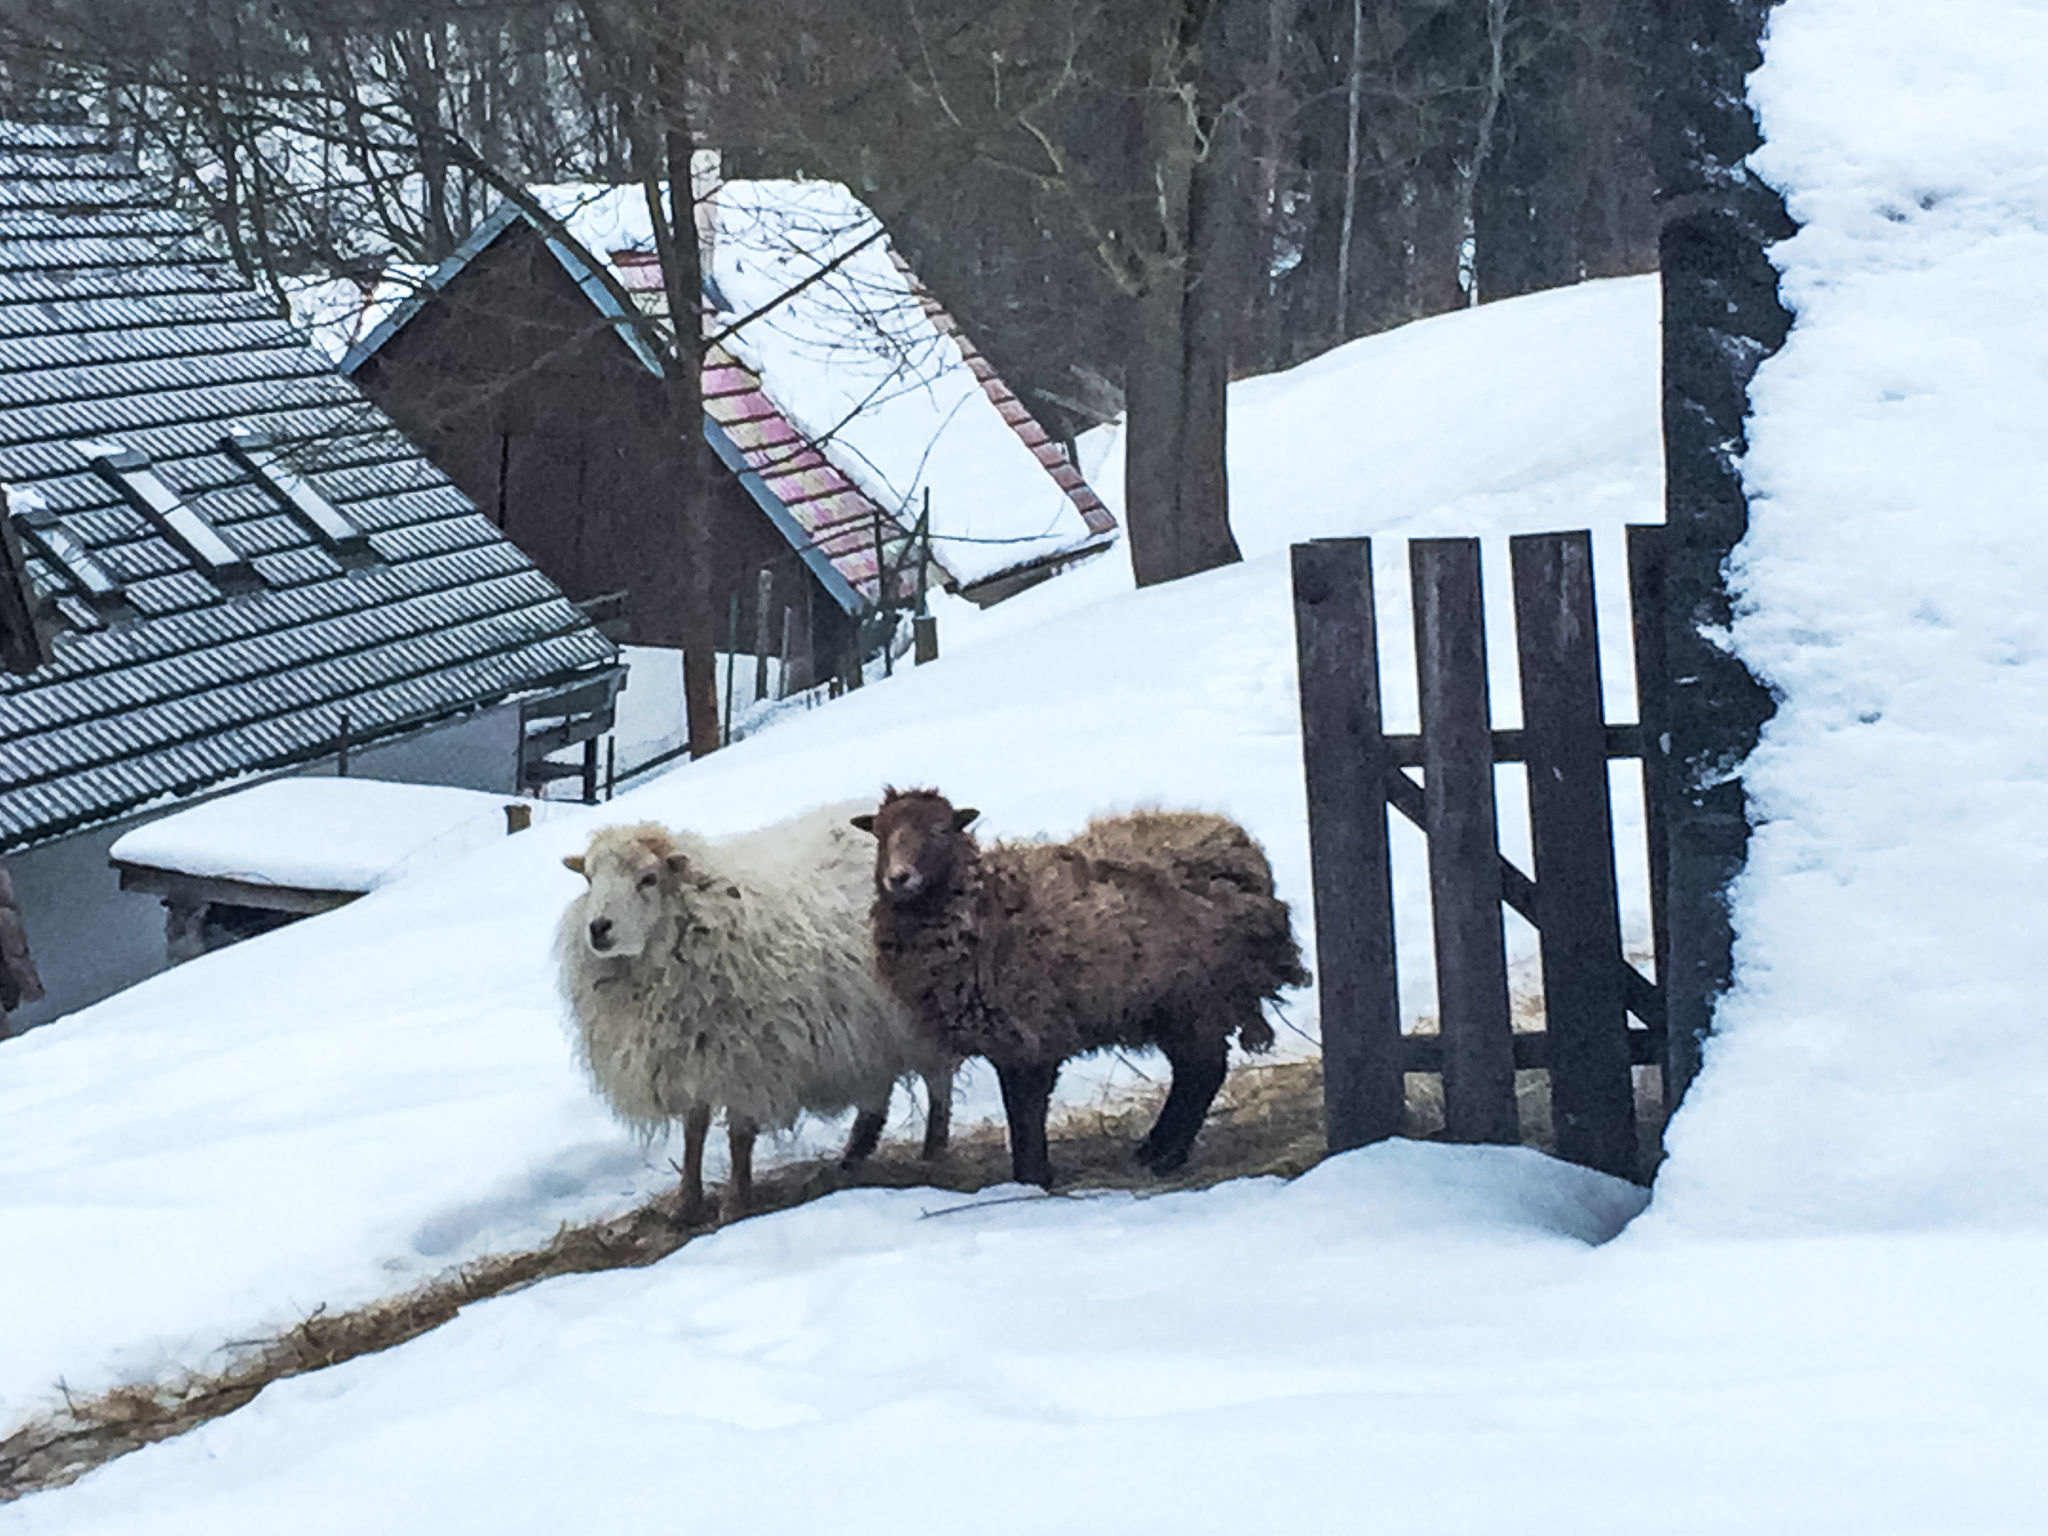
x,y
840,396
221,563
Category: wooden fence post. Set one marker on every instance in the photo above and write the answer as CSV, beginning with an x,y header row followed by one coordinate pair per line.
x,y
1646,571
1474,1017
782,689
732,646
1346,762
802,675
1564,730
764,597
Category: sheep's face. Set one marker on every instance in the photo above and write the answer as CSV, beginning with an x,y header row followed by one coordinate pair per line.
x,y
632,880
920,840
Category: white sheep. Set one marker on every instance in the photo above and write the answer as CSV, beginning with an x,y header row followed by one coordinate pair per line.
x,y
738,974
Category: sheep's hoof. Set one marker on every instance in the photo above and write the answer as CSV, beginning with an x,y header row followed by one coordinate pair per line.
x,y
700,1212
1161,1160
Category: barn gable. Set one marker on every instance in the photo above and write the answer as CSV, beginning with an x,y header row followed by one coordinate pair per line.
x,y
837,474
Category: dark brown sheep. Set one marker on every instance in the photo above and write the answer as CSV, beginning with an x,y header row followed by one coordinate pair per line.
x,y
1159,928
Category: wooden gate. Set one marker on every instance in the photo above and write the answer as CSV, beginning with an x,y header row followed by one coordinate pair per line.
x,y
1357,773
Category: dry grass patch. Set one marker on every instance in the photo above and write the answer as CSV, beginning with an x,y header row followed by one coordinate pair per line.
x,y
1268,1119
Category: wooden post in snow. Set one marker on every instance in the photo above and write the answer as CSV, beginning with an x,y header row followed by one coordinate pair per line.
x,y
764,596
1592,1096
1345,756
1474,1021
732,645
782,689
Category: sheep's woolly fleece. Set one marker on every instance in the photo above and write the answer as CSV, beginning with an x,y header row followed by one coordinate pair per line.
x,y
757,992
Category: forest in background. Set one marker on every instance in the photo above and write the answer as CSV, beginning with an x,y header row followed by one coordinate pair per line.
x,y
1390,158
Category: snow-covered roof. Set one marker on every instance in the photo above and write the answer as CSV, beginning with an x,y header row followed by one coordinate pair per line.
x,y
886,402
320,834
340,312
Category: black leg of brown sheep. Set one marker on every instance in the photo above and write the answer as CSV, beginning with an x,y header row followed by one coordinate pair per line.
x,y
867,1133
1198,1071
740,1133
938,1119
1027,1091
696,1126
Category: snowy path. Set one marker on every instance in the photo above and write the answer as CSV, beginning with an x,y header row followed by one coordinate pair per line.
x,y
1408,1339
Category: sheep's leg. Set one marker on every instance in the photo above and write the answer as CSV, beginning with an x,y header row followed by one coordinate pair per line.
x,y
1197,1074
1027,1091
740,1133
938,1120
696,1126
867,1132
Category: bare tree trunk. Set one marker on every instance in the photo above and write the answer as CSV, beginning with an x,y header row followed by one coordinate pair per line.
x,y
1353,92
689,574
1177,367
1494,92
677,547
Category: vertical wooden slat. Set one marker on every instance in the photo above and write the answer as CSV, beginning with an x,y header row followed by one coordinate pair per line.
x,y
1464,847
1345,758
1578,913
1646,610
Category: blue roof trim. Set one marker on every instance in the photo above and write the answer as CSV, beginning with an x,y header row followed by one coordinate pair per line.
x,y
599,292
799,539
502,218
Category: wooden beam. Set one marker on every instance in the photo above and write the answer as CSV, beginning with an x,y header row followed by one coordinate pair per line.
x,y
1645,997
175,885
1509,746
1425,1053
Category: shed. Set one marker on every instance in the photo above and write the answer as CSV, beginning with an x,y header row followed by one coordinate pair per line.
x,y
222,563
837,390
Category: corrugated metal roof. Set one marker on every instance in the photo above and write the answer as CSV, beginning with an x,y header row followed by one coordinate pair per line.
x,y
117,328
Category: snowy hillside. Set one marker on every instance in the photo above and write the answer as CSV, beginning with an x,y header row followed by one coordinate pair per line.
x,y
1884,1059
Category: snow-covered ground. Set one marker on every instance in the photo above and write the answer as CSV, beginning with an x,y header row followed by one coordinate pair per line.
x,y
1827,1321
1409,1339
1884,1059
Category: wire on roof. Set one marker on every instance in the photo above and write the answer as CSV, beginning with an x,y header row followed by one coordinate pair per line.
x,y
144,489
257,453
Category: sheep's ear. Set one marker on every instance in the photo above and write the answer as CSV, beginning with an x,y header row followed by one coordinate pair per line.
x,y
866,823
573,861
677,863
964,817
